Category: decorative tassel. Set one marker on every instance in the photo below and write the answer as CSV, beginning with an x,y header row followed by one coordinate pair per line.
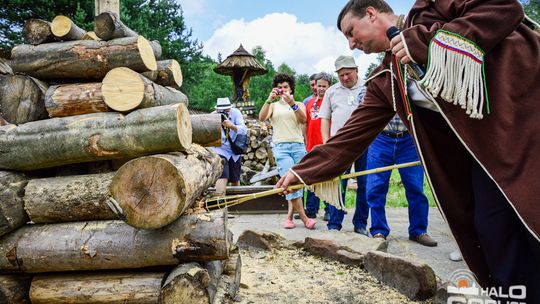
x,y
455,71
330,192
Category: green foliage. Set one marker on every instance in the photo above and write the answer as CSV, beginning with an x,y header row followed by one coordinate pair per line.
x,y
14,13
532,9
160,20
259,86
372,65
203,95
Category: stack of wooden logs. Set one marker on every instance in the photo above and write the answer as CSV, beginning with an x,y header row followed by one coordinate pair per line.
x,y
106,219
258,157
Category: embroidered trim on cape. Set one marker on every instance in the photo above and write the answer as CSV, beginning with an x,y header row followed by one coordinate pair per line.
x,y
456,72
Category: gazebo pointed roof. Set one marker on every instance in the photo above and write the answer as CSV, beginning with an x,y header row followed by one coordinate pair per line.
x,y
240,60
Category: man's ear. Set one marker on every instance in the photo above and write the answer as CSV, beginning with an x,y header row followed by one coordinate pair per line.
x,y
372,13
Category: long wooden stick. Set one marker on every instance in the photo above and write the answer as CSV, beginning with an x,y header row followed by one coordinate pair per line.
x,y
233,200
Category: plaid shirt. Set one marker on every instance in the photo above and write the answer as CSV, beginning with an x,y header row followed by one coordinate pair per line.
x,y
395,125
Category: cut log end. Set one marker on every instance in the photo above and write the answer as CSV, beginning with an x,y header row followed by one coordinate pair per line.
x,y
91,36
147,53
148,201
104,25
36,31
177,72
122,89
61,25
184,128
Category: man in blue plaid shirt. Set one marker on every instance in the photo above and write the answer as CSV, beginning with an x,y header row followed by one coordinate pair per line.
x,y
395,146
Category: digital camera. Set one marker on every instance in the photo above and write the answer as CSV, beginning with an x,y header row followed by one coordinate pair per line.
x,y
279,91
223,116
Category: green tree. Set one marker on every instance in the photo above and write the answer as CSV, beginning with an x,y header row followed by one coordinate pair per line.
x,y
160,20
532,9
14,13
259,86
302,89
203,95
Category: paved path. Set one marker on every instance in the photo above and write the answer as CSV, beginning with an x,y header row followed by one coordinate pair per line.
x,y
398,242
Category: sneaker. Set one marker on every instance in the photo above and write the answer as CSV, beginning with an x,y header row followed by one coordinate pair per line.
x,y
310,224
289,224
424,239
379,236
455,256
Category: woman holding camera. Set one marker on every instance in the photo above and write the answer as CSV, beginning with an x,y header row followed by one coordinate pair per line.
x,y
288,118
232,124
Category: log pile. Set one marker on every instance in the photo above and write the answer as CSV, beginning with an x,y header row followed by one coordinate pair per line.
x,y
259,157
101,171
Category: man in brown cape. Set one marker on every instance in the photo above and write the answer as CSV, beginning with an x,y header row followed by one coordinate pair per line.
x,y
477,130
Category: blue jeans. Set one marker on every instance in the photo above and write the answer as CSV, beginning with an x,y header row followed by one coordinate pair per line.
x,y
387,151
313,203
361,211
287,154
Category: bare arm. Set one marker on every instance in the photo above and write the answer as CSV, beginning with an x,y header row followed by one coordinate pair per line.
x,y
266,110
325,129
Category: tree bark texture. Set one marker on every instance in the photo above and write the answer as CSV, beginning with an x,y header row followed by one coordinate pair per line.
x,y
107,6
125,90
229,282
113,245
74,99
14,289
186,284
153,191
168,73
92,137
69,198
107,26
215,270
37,31
22,98
5,68
97,288
206,129
63,28
12,214
83,59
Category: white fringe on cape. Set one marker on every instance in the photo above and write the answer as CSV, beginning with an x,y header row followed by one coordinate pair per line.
x,y
455,71
330,192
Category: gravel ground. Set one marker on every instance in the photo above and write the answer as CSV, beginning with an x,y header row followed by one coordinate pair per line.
x,y
295,276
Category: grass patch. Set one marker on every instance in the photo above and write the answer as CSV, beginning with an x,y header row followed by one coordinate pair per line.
x,y
396,193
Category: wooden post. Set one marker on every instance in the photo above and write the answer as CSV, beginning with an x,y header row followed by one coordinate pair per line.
x,y
112,6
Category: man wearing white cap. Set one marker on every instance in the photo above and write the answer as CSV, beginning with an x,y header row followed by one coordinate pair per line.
x,y
232,124
340,100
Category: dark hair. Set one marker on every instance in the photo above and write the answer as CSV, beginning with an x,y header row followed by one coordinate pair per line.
x,y
324,76
279,78
358,8
313,77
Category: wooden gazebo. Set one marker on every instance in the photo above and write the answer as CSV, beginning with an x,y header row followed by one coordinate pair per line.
x,y
241,65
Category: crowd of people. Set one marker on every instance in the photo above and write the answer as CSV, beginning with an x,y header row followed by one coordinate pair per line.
x,y
298,127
